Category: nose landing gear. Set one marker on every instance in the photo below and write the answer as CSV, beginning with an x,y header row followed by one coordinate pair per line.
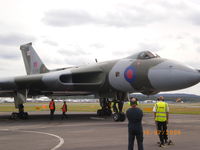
x,y
118,115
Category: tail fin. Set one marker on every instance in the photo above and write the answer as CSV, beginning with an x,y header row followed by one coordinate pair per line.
x,y
32,61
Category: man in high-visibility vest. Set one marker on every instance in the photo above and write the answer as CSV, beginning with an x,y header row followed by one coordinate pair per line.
x,y
161,115
52,108
64,110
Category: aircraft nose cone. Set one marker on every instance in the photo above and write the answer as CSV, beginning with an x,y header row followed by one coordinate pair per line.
x,y
171,75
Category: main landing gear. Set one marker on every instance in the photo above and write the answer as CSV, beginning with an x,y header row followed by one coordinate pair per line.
x,y
105,107
21,114
118,103
19,100
119,115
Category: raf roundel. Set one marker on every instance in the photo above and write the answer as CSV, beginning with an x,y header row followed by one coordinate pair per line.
x,y
130,74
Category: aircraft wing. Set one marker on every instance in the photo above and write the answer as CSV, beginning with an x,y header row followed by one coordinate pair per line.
x,y
7,93
12,93
74,81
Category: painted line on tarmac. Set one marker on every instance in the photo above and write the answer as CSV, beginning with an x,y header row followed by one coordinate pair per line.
x,y
61,140
97,118
4,129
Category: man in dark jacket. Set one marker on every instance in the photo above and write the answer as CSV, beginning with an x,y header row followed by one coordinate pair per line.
x,y
134,116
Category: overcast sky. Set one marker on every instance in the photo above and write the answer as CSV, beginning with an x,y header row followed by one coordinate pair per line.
x,y
73,32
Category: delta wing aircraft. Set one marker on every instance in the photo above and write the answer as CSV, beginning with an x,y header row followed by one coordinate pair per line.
x,y
144,72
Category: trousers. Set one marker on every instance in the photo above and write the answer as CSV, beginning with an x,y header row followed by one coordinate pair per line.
x,y
131,138
162,131
52,113
64,115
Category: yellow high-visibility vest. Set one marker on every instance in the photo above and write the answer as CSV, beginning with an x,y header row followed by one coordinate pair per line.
x,y
161,111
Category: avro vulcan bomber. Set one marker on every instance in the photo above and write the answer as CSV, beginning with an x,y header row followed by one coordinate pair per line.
x,y
144,72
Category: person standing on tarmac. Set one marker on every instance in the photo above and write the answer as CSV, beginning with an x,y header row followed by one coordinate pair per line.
x,y
137,102
135,129
161,116
64,110
52,108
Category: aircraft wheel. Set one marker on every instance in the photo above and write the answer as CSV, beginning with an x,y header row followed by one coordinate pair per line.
x,y
119,117
25,115
122,117
14,115
116,116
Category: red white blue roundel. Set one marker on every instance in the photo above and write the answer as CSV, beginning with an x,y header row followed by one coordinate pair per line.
x,y
130,74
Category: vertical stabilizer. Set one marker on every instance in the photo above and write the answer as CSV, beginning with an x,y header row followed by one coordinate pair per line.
x,y
32,61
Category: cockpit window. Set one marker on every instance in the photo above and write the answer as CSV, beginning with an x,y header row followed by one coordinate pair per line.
x,y
144,55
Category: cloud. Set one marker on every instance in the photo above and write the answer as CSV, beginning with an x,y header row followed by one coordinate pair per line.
x,y
77,52
122,54
97,45
67,60
76,61
15,39
52,43
11,67
10,53
63,18
195,18
139,47
11,61
154,47
196,40
125,16
9,45
183,10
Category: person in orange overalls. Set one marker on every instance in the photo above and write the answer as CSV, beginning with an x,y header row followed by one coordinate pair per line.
x,y
64,110
52,108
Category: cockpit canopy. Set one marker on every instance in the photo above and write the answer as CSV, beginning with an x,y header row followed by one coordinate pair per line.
x,y
144,55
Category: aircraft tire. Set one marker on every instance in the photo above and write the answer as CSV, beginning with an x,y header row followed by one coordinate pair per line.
x,y
116,117
25,115
122,117
14,115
